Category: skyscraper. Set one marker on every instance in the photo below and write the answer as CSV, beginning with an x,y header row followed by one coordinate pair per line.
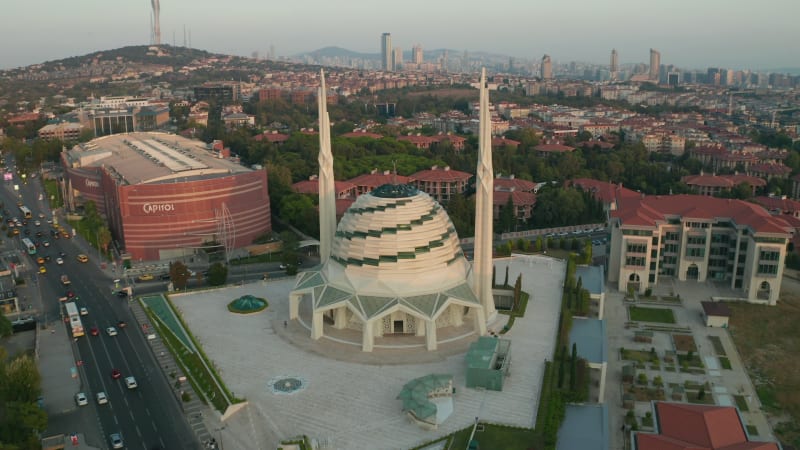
x,y
655,64
547,68
397,58
386,51
614,64
416,54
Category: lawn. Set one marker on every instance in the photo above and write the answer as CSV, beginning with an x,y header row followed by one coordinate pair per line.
x,y
767,340
741,403
725,362
660,315
692,397
495,436
637,355
717,343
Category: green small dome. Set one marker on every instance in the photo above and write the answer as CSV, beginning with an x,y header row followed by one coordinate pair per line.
x,y
247,303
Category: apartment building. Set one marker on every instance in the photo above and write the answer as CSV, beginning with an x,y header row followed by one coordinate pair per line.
x,y
691,237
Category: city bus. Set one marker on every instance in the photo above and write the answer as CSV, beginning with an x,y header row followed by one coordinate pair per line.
x,y
29,246
74,319
26,213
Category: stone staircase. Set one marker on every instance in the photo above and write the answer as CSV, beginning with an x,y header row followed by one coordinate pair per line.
x,y
194,409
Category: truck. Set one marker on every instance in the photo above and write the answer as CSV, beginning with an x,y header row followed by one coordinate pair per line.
x,y
65,280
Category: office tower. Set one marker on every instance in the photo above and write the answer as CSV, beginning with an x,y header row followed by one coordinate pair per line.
x,y
386,51
547,68
614,63
397,58
655,64
416,54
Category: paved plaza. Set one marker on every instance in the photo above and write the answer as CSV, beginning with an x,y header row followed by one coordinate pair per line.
x,y
348,398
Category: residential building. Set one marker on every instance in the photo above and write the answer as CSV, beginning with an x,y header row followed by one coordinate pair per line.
x,y
614,67
694,237
369,181
64,131
417,54
441,183
223,92
712,184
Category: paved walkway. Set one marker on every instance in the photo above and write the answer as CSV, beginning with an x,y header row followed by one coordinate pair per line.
x,y
352,405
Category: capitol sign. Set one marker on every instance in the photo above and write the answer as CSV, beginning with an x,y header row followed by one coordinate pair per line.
x,y
152,208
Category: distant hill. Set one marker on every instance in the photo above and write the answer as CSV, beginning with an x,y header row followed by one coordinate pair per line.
x,y
168,55
338,52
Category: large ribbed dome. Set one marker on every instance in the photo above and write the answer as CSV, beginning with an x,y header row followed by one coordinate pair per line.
x,y
399,234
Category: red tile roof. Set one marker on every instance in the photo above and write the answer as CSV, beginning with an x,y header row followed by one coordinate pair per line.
x,y
698,427
606,192
272,137
780,204
647,210
312,186
724,181
770,168
358,134
514,183
553,148
519,198
502,141
378,179
440,174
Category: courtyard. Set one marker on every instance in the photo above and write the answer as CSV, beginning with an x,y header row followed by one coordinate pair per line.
x,y
345,399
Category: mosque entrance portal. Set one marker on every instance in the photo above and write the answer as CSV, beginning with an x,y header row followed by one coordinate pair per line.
x,y
398,327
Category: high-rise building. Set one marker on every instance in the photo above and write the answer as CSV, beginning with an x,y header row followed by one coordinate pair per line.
x,y
416,54
397,58
386,51
547,68
614,63
655,64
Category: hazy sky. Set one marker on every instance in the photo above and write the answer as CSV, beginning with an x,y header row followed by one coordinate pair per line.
x,y
689,33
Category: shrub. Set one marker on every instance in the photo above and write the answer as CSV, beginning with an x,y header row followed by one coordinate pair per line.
x,y
185,396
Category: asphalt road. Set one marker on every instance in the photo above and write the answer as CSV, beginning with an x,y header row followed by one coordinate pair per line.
x,y
147,417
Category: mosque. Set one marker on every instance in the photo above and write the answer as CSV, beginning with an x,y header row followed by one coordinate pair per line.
x,y
394,264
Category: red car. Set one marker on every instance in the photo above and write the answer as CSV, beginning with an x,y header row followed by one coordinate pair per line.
x,y
116,374
94,331
70,294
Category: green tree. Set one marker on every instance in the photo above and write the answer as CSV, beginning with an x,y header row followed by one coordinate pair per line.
x,y
104,238
179,274
6,329
507,219
217,274
573,368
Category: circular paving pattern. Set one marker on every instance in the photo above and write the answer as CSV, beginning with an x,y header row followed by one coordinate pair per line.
x,y
286,385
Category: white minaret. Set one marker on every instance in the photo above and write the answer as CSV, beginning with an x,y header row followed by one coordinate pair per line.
x,y
484,187
327,194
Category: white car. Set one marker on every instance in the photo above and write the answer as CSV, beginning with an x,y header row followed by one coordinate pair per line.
x,y
116,441
59,261
80,399
131,383
46,243
37,223
111,331
101,398
84,311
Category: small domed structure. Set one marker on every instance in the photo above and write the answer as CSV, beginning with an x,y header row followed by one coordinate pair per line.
x,y
396,267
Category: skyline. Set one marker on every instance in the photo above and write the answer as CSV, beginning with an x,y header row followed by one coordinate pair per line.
x,y
689,35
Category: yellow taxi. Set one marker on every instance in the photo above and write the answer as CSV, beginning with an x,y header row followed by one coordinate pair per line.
x,y
42,269
145,277
83,258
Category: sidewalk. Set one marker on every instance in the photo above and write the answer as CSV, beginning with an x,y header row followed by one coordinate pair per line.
x,y
60,380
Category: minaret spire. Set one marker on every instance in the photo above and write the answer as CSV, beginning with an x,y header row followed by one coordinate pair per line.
x,y
484,187
327,194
